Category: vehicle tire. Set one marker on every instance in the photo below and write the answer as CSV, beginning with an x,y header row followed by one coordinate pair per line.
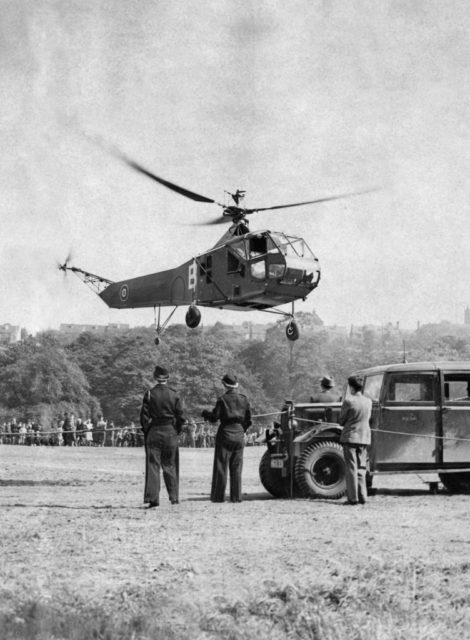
x,y
271,479
320,471
456,482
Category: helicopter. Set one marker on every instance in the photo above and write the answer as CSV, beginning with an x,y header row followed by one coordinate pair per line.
x,y
245,270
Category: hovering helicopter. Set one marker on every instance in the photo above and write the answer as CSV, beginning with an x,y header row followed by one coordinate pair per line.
x,y
245,270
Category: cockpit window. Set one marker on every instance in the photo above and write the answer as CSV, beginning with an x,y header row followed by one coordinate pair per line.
x,y
239,248
258,269
258,246
290,246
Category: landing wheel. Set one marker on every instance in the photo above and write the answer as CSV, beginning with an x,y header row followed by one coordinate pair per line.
x,y
292,330
193,317
157,340
320,471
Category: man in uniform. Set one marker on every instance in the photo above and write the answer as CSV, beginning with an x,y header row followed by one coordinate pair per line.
x,y
233,411
355,438
162,419
327,391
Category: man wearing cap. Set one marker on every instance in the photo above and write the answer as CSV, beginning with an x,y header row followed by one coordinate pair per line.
x,y
162,419
328,393
234,413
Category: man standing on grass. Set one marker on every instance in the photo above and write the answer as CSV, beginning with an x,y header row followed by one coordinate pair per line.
x,y
162,419
355,438
233,411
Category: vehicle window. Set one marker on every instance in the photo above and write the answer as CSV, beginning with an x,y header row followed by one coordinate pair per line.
x,y
372,386
233,264
457,387
410,387
209,269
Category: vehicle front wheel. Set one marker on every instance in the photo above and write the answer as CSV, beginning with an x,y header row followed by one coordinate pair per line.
x,y
271,479
320,471
456,482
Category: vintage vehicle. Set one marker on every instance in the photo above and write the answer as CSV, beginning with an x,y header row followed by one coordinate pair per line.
x,y
420,424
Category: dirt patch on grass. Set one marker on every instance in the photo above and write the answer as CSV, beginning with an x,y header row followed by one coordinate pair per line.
x,y
81,557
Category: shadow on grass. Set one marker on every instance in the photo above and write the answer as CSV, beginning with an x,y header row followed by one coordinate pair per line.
x,y
405,492
40,483
35,620
247,497
374,495
107,507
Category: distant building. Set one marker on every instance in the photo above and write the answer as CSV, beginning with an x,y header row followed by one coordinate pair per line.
x,y
467,316
9,333
254,331
101,329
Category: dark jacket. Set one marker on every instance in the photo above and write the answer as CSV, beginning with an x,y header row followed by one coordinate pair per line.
x,y
231,408
161,406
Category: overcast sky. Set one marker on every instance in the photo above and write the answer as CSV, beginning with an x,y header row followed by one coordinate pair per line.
x,y
287,100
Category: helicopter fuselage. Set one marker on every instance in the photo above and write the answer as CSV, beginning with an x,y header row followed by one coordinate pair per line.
x,y
257,270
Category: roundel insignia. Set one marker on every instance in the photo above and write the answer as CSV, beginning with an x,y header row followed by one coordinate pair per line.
x,y
124,292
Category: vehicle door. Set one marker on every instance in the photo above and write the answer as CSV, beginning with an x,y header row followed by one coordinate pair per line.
x,y
455,416
236,268
409,421
372,389
213,285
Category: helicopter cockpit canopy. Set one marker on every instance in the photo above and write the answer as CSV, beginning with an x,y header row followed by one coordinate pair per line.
x,y
275,256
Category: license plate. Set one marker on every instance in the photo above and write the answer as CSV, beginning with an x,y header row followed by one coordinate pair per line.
x,y
277,463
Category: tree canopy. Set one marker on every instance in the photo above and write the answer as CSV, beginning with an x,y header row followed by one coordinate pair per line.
x,y
43,377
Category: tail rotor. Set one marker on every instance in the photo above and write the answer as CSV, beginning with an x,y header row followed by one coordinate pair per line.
x,y
64,266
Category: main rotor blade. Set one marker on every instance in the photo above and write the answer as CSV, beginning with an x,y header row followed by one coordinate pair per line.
x,y
117,153
221,220
169,185
316,201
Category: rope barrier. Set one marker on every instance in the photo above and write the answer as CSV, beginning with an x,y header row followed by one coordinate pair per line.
x,y
137,430
399,433
134,430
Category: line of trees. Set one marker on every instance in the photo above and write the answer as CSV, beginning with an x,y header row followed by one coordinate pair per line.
x,y
42,377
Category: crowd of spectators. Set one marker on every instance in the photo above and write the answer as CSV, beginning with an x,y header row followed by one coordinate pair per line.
x,y
72,431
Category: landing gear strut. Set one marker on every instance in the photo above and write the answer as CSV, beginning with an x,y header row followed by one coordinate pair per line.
x,y
292,330
160,328
193,318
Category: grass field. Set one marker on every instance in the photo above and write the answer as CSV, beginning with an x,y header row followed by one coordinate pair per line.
x,y
82,559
